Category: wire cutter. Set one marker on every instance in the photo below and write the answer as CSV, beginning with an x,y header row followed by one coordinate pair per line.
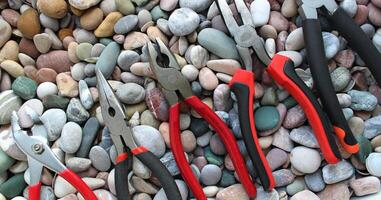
x,y
281,69
39,155
121,134
174,86
318,64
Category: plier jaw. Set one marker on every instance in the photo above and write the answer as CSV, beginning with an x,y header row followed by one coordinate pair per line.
x,y
308,8
167,72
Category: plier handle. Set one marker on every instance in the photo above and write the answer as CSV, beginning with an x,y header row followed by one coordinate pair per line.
x,y
176,89
39,155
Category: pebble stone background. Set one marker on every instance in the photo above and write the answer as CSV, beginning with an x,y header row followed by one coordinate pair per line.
x,y
50,48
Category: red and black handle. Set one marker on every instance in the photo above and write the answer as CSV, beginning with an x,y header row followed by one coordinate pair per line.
x,y
124,166
77,182
34,191
358,40
322,79
227,138
281,69
242,86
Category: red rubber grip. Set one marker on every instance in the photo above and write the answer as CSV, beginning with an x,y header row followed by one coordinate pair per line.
x,y
77,182
178,153
121,157
247,78
34,191
138,150
276,70
229,141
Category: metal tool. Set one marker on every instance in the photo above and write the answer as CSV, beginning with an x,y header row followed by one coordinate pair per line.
x,y
177,89
39,155
121,134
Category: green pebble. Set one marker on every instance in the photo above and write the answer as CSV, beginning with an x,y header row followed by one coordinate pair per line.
x,y
158,13
212,158
105,41
140,2
83,50
266,118
227,179
5,161
24,87
55,101
296,186
270,97
290,102
125,6
365,148
13,186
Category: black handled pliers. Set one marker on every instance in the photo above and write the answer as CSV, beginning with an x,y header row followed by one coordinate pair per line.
x,y
317,61
121,134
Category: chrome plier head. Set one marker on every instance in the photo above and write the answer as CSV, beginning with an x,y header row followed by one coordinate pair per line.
x,y
167,72
37,150
308,8
113,115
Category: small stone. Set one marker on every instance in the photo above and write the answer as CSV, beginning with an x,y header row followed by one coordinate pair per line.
x,y
12,68
24,87
150,138
340,78
92,18
277,20
331,44
168,5
372,164
208,79
55,9
210,174
365,186
130,93
13,186
71,137
349,6
46,75
78,164
83,5
196,5
85,95
183,21
83,51
5,162
221,97
305,160
106,28
289,8
99,158
295,40
236,191
228,66
315,181
108,59
282,140
54,121
66,85
304,136
334,173
295,117
266,195
199,56
9,51
266,118
126,24
283,177
305,194
260,11
29,23
297,186
335,191
218,43
372,127
276,158
57,60
25,120
295,56
362,100
45,89
76,112
182,188
6,32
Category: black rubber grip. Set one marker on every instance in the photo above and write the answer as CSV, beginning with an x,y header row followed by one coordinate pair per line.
x,y
242,92
322,79
358,40
160,172
291,74
122,169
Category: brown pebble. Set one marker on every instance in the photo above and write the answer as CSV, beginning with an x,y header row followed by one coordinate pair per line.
x,y
106,28
92,18
76,11
9,51
46,75
157,104
361,15
57,60
65,32
31,72
279,22
53,8
66,85
27,47
29,23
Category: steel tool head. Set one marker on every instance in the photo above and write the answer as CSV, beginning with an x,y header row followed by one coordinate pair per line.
x,y
307,8
37,150
244,35
113,115
167,71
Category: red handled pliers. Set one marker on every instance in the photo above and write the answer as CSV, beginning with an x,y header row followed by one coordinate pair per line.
x,y
174,86
39,155
121,135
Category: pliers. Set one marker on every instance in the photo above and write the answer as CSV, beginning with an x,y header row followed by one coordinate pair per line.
x,y
317,61
176,89
39,155
281,69
121,134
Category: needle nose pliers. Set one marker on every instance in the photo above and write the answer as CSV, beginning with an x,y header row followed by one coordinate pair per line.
x,y
39,155
176,89
318,64
121,134
281,69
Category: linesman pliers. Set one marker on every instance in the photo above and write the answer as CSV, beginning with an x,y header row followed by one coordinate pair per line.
x,y
318,64
39,155
176,89
121,134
